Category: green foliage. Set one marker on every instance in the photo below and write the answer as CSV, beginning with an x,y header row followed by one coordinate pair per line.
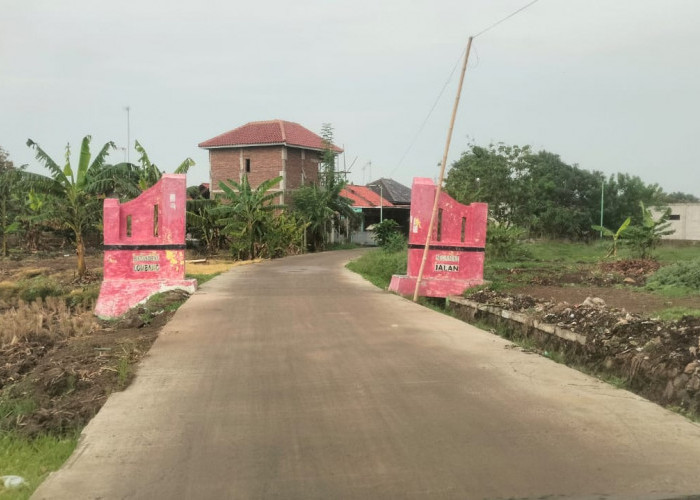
x,y
378,266
384,230
32,459
74,200
10,178
503,242
678,197
676,313
201,278
396,242
129,180
683,274
39,287
487,175
614,235
645,237
248,216
542,194
285,236
203,223
321,207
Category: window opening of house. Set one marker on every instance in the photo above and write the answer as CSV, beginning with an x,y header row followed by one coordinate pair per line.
x,y
247,165
439,225
155,220
128,226
675,217
464,228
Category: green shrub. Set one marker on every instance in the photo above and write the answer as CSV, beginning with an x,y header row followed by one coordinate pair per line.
x,y
39,287
504,242
384,231
395,242
683,274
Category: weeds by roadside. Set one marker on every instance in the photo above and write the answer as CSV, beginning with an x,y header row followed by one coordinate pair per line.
x,y
378,266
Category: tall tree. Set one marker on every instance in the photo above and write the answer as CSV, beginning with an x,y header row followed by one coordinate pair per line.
x,y
73,202
678,197
490,175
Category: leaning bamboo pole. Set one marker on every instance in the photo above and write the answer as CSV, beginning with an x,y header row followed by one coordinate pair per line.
x,y
442,171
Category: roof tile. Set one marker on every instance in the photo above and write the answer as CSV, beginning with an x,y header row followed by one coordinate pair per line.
x,y
268,132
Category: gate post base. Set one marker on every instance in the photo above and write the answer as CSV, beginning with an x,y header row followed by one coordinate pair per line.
x,y
117,297
431,287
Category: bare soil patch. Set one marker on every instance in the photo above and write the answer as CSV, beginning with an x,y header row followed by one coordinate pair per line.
x,y
55,383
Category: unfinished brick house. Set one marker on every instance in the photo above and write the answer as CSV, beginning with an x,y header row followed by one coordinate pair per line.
x,y
264,150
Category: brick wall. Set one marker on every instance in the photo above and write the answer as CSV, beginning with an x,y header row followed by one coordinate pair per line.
x,y
301,164
265,163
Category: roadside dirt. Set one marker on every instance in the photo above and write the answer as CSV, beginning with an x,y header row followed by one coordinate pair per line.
x,y
657,359
618,283
53,382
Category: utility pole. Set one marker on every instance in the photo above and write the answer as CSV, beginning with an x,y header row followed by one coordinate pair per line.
x,y
602,198
128,132
438,189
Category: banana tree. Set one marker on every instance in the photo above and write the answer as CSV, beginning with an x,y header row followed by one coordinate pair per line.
x,y
74,201
614,235
128,180
246,213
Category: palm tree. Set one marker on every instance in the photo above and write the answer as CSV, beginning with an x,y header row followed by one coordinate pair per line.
x,y
74,200
246,213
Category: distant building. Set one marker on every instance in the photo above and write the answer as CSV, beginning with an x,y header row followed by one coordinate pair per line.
x,y
373,208
264,150
685,220
389,189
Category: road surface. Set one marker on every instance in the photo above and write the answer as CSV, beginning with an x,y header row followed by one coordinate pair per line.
x,y
296,379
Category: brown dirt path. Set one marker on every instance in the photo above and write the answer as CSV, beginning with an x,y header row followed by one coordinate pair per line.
x,y
630,299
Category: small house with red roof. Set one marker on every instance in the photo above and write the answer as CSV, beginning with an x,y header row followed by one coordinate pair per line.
x,y
264,150
373,209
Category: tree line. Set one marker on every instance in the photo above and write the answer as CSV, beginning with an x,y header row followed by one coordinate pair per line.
x,y
245,220
548,198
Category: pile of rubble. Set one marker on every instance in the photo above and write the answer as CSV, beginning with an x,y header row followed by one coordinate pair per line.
x,y
658,359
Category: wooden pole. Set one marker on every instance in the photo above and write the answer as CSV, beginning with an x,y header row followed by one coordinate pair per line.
x,y
442,171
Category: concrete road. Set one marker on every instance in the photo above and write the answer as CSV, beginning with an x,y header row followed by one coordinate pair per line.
x,y
297,379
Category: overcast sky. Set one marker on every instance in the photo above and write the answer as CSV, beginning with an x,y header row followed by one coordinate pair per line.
x,y
609,85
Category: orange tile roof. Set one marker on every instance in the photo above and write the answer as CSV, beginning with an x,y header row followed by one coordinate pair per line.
x,y
267,133
364,197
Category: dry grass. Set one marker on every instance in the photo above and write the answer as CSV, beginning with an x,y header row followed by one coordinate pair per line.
x,y
43,319
213,266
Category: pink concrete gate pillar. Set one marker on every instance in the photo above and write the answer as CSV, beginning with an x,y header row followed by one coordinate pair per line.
x,y
144,247
456,253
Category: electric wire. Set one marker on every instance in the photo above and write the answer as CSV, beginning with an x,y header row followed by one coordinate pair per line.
x,y
425,121
449,78
505,18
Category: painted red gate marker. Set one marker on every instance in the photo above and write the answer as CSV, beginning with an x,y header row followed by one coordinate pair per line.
x,y
456,254
144,247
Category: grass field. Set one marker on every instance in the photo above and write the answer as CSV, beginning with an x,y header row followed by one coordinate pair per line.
x,y
552,258
31,459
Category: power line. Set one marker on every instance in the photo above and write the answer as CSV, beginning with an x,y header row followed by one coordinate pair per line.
x,y
454,68
505,18
425,121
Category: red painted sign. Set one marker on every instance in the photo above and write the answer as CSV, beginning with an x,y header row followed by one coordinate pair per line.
x,y
144,243
456,252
